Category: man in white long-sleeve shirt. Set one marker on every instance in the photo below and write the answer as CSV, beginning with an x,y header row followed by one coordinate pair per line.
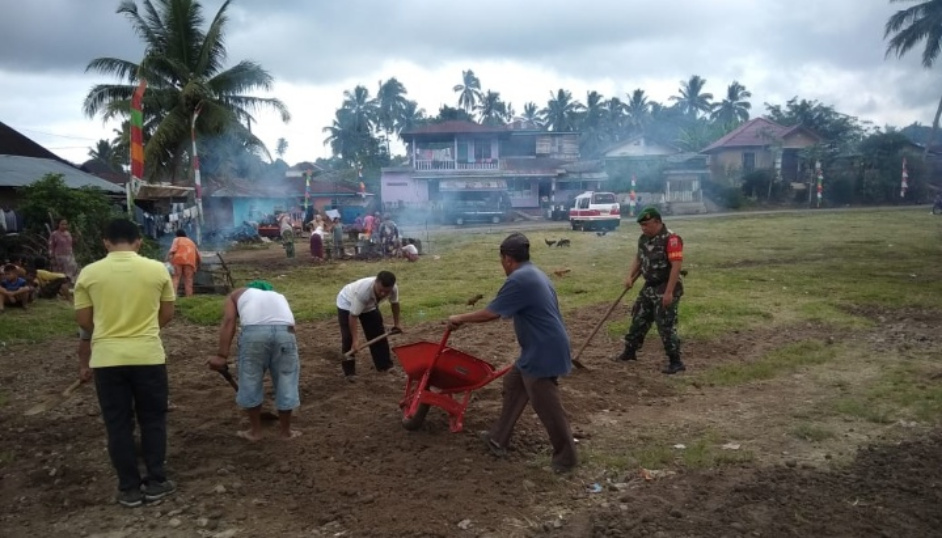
x,y
360,300
267,342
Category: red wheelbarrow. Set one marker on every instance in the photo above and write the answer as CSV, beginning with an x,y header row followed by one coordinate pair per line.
x,y
443,377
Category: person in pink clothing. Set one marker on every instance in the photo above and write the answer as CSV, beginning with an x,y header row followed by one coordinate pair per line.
x,y
60,250
369,225
185,258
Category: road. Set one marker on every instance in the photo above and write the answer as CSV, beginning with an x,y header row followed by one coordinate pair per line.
x,y
428,233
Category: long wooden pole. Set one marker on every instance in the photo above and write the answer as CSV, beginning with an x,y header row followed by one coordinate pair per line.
x,y
597,327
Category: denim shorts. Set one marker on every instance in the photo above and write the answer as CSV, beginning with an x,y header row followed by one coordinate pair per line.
x,y
273,348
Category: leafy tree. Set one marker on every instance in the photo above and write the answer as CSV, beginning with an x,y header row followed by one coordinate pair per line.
x,y
881,164
447,113
840,132
184,69
919,24
734,108
531,114
562,112
469,91
88,211
692,99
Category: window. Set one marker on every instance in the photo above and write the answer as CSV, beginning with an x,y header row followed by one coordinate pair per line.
x,y
748,162
482,150
603,198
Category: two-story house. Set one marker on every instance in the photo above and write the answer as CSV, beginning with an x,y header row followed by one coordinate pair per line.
x,y
464,160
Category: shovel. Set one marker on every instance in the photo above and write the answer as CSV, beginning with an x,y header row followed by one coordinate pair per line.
x,y
53,400
266,415
349,355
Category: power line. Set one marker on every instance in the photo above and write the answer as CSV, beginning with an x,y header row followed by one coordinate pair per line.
x,y
58,135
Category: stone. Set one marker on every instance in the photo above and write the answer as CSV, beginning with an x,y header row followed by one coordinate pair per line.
x,y
464,524
175,522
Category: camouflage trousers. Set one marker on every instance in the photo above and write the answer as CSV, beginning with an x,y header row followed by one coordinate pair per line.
x,y
649,309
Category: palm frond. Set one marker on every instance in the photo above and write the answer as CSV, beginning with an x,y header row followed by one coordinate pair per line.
x,y
122,69
213,52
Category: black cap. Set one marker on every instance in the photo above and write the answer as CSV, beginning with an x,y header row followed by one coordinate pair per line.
x,y
515,242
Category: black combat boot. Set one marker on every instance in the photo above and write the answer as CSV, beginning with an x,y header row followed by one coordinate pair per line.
x,y
628,354
675,365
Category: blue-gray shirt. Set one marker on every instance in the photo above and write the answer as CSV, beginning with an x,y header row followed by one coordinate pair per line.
x,y
528,297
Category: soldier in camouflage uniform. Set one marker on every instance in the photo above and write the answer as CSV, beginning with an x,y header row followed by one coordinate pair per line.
x,y
658,260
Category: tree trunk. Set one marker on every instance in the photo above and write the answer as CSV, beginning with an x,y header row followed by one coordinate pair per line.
x,y
935,128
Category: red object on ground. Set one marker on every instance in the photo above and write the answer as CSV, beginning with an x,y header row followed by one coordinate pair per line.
x,y
437,374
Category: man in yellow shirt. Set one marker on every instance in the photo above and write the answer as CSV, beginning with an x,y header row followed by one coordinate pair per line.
x,y
48,284
123,301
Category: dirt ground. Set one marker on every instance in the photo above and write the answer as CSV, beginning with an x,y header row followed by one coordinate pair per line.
x,y
357,472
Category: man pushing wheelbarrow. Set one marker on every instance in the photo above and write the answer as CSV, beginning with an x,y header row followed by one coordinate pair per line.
x,y
529,298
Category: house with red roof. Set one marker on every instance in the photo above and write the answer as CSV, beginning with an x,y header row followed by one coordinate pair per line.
x,y
519,166
756,145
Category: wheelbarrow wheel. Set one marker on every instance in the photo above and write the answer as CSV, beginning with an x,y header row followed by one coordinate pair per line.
x,y
415,421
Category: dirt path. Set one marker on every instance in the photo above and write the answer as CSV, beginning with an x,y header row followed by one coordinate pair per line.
x,y
356,472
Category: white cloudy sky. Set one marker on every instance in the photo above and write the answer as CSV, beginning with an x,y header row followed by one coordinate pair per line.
x,y
830,50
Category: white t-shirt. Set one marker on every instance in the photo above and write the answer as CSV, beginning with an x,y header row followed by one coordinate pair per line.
x,y
410,249
358,297
260,307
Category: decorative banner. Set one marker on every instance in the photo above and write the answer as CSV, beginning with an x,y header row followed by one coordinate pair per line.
x,y
631,197
820,176
196,176
904,185
137,144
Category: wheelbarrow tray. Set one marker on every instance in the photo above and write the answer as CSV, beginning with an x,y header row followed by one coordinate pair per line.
x,y
436,379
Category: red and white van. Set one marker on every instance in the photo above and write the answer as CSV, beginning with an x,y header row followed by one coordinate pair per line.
x,y
595,211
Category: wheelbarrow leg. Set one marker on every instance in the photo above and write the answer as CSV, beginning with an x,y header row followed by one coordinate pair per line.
x,y
456,421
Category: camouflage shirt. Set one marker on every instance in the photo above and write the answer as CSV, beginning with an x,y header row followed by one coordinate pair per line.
x,y
656,254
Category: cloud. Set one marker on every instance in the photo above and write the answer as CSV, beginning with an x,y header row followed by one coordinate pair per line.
x,y
829,50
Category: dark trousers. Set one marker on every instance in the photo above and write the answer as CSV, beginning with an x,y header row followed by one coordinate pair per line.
x,y
123,393
543,394
372,324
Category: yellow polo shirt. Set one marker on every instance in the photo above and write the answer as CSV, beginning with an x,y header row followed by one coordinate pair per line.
x,y
124,291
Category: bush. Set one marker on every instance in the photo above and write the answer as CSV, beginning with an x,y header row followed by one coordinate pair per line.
x,y
88,210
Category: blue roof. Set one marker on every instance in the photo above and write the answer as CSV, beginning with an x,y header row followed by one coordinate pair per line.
x,y
18,171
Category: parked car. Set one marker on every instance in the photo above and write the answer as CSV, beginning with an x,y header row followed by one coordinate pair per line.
x,y
466,212
595,211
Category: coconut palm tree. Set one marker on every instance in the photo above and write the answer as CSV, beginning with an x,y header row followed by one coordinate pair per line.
x,y
692,99
363,110
561,112
391,101
614,117
469,91
531,114
491,110
184,68
638,111
734,108
104,151
281,147
412,116
921,23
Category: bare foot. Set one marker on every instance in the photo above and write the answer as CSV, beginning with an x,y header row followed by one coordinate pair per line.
x,y
290,435
249,436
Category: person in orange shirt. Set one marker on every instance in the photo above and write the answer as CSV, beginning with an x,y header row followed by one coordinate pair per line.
x,y
185,258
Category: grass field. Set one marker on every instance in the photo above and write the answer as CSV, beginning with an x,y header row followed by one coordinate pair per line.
x,y
744,271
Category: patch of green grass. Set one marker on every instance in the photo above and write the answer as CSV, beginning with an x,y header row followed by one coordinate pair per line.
x,y
861,408
3,398
704,451
905,391
773,364
7,457
44,319
814,433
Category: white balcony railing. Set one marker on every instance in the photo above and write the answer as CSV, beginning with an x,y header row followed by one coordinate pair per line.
x,y
492,164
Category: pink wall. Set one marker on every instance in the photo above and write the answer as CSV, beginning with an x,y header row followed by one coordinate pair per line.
x,y
400,187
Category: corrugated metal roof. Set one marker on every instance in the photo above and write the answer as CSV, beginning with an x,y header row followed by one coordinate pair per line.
x,y
17,171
